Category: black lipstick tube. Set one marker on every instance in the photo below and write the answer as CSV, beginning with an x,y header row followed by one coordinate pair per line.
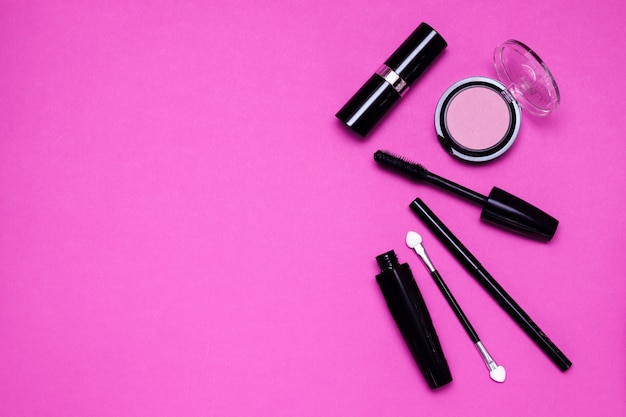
x,y
392,80
474,267
409,311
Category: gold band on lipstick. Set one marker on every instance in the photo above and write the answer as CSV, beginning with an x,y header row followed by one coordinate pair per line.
x,y
393,78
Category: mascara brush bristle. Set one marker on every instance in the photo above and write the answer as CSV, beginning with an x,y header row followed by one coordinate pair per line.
x,y
401,165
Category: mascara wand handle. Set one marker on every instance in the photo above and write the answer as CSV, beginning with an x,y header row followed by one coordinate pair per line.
x,y
457,189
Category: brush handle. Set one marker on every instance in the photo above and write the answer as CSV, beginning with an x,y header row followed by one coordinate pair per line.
x,y
455,306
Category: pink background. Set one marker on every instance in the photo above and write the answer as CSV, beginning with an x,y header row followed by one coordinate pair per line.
x,y
187,230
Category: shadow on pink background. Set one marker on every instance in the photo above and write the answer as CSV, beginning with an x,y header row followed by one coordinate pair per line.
x,y
187,230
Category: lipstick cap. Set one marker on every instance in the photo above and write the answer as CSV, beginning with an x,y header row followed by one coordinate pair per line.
x,y
392,80
409,311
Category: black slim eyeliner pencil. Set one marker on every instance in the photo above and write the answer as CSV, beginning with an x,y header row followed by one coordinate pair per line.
x,y
474,267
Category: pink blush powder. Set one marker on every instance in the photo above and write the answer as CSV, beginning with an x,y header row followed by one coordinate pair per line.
x,y
478,118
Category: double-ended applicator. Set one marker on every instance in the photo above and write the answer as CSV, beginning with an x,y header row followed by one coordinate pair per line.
x,y
499,207
496,372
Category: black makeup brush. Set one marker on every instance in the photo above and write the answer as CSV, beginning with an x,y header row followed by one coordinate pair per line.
x,y
499,208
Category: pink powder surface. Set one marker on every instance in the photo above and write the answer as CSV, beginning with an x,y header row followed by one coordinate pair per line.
x,y
478,118
187,230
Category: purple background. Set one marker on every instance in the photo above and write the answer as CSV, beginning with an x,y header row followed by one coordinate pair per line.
x,y
187,230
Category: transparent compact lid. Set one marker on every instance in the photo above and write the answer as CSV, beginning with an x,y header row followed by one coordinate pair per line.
x,y
527,78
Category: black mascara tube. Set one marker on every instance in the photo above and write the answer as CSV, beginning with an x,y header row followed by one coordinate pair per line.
x,y
474,267
410,313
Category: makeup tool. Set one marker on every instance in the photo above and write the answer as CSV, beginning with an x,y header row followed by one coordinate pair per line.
x,y
505,301
478,118
409,311
392,80
496,372
499,208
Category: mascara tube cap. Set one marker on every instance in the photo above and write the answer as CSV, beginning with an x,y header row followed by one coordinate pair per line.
x,y
409,311
392,80
506,210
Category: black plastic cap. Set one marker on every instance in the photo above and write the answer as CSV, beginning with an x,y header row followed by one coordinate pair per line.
x,y
409,311
416,53
368,106
508,211
376,97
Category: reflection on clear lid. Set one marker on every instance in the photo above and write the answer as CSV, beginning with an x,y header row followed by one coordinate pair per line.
x,y
527,78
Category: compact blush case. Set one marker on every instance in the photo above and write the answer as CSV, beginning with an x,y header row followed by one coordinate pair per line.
x,y
478,118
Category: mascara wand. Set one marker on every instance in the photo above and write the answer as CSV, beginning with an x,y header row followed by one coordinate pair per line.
x,y
496,372
499,207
